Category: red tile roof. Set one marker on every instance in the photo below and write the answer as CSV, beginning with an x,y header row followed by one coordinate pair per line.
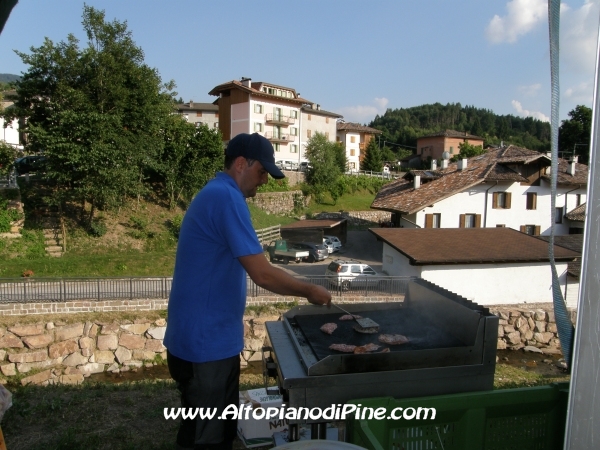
x,y
494,165
577,214
255,90
351,126
435,246
452,133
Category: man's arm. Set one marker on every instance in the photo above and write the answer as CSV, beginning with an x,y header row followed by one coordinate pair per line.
x,y
280,282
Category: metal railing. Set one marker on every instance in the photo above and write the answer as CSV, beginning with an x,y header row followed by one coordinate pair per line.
x,y
34,290
279,118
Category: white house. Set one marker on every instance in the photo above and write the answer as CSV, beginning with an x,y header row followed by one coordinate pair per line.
x,y
505,187
490,266
9,132
200,113
276,112
355,138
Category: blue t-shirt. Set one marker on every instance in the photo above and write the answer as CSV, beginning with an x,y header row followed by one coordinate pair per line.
x,y
208,295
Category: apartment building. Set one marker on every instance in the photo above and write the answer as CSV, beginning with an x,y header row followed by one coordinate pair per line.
x,y
355,137
277,112
200,113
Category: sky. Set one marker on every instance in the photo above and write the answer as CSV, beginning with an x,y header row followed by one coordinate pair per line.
x,y
356,58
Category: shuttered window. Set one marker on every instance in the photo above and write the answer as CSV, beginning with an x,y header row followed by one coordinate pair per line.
x,y
470,221
501,200
531,200
433,220
532,230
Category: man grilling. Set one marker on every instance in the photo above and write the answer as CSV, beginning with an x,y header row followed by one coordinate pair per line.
x,y
217,248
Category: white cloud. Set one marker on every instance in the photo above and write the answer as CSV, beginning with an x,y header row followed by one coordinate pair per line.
x,y
531,90
364,113
526,113
522,17
582,93
579,37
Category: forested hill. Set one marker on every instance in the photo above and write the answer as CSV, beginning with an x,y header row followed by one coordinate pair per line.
x,y
8,77
403,126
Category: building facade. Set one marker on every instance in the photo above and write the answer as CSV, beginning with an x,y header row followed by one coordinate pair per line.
x,y
279,113
434,145
200,113
355,137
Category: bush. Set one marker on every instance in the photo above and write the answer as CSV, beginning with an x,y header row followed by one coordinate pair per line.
x,y
274,185
175,225
97,228
7,216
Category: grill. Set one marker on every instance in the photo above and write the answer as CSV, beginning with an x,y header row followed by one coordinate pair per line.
x,y
452,349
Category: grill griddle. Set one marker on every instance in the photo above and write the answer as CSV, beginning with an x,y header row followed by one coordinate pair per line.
x,y
422,334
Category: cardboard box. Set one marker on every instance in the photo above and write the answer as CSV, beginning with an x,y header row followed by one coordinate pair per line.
x,y
258,432
281,437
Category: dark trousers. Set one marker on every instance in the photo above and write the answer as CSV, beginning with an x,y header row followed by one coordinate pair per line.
x,y
213,384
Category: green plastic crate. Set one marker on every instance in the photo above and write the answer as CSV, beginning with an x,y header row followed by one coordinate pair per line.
x,y
508,419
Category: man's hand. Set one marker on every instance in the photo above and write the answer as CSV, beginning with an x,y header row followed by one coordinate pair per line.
x,y
320,296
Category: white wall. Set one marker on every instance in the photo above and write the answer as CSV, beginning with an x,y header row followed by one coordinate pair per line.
x,y
486,284
10,134
345,138
472,201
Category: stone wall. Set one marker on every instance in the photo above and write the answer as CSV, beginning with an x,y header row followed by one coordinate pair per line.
x,y
279,202
358,218
57,352
521,326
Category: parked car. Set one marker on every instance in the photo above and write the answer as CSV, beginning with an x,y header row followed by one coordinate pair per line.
x,y
286,164
304,166
317,252
348,273
335,241
31,163
328,244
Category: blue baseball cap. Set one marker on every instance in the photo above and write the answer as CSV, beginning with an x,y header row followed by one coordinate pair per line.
x,y
255,146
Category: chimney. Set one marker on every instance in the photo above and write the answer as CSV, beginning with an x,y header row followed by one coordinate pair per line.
x,y
246,81
572,163
434,164
444,163
191,103
417,181
462,164
313,106
318,107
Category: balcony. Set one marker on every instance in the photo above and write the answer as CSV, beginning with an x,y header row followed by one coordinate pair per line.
x,y
278,119
279,137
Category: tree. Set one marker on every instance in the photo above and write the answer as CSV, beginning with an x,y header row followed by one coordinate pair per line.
x,y
372,160
97,113
325,170
191,156
339,151
574,133
467,150
7,156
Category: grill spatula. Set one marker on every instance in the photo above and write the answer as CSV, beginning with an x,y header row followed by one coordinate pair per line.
x,y
365,322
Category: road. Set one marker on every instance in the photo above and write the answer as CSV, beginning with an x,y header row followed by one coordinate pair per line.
x,y
361,246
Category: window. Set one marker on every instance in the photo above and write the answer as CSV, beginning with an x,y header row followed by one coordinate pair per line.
x,y
258,127
216,125
294,114
531,230
470,221
558,215
308,133
277,147
578,197
354,269
337,139
531,200
500,225
433,220
451,150
501,200
352,152
294,148
276,113
309,117
258,109
352,139
352,165
294,131
198,113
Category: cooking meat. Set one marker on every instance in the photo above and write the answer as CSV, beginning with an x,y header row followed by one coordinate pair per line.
x,y
393,339
345,348
366,348
328,328
350,317
369,330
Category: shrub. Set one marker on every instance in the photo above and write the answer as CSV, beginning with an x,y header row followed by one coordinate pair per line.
x,y
175,225
97,228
